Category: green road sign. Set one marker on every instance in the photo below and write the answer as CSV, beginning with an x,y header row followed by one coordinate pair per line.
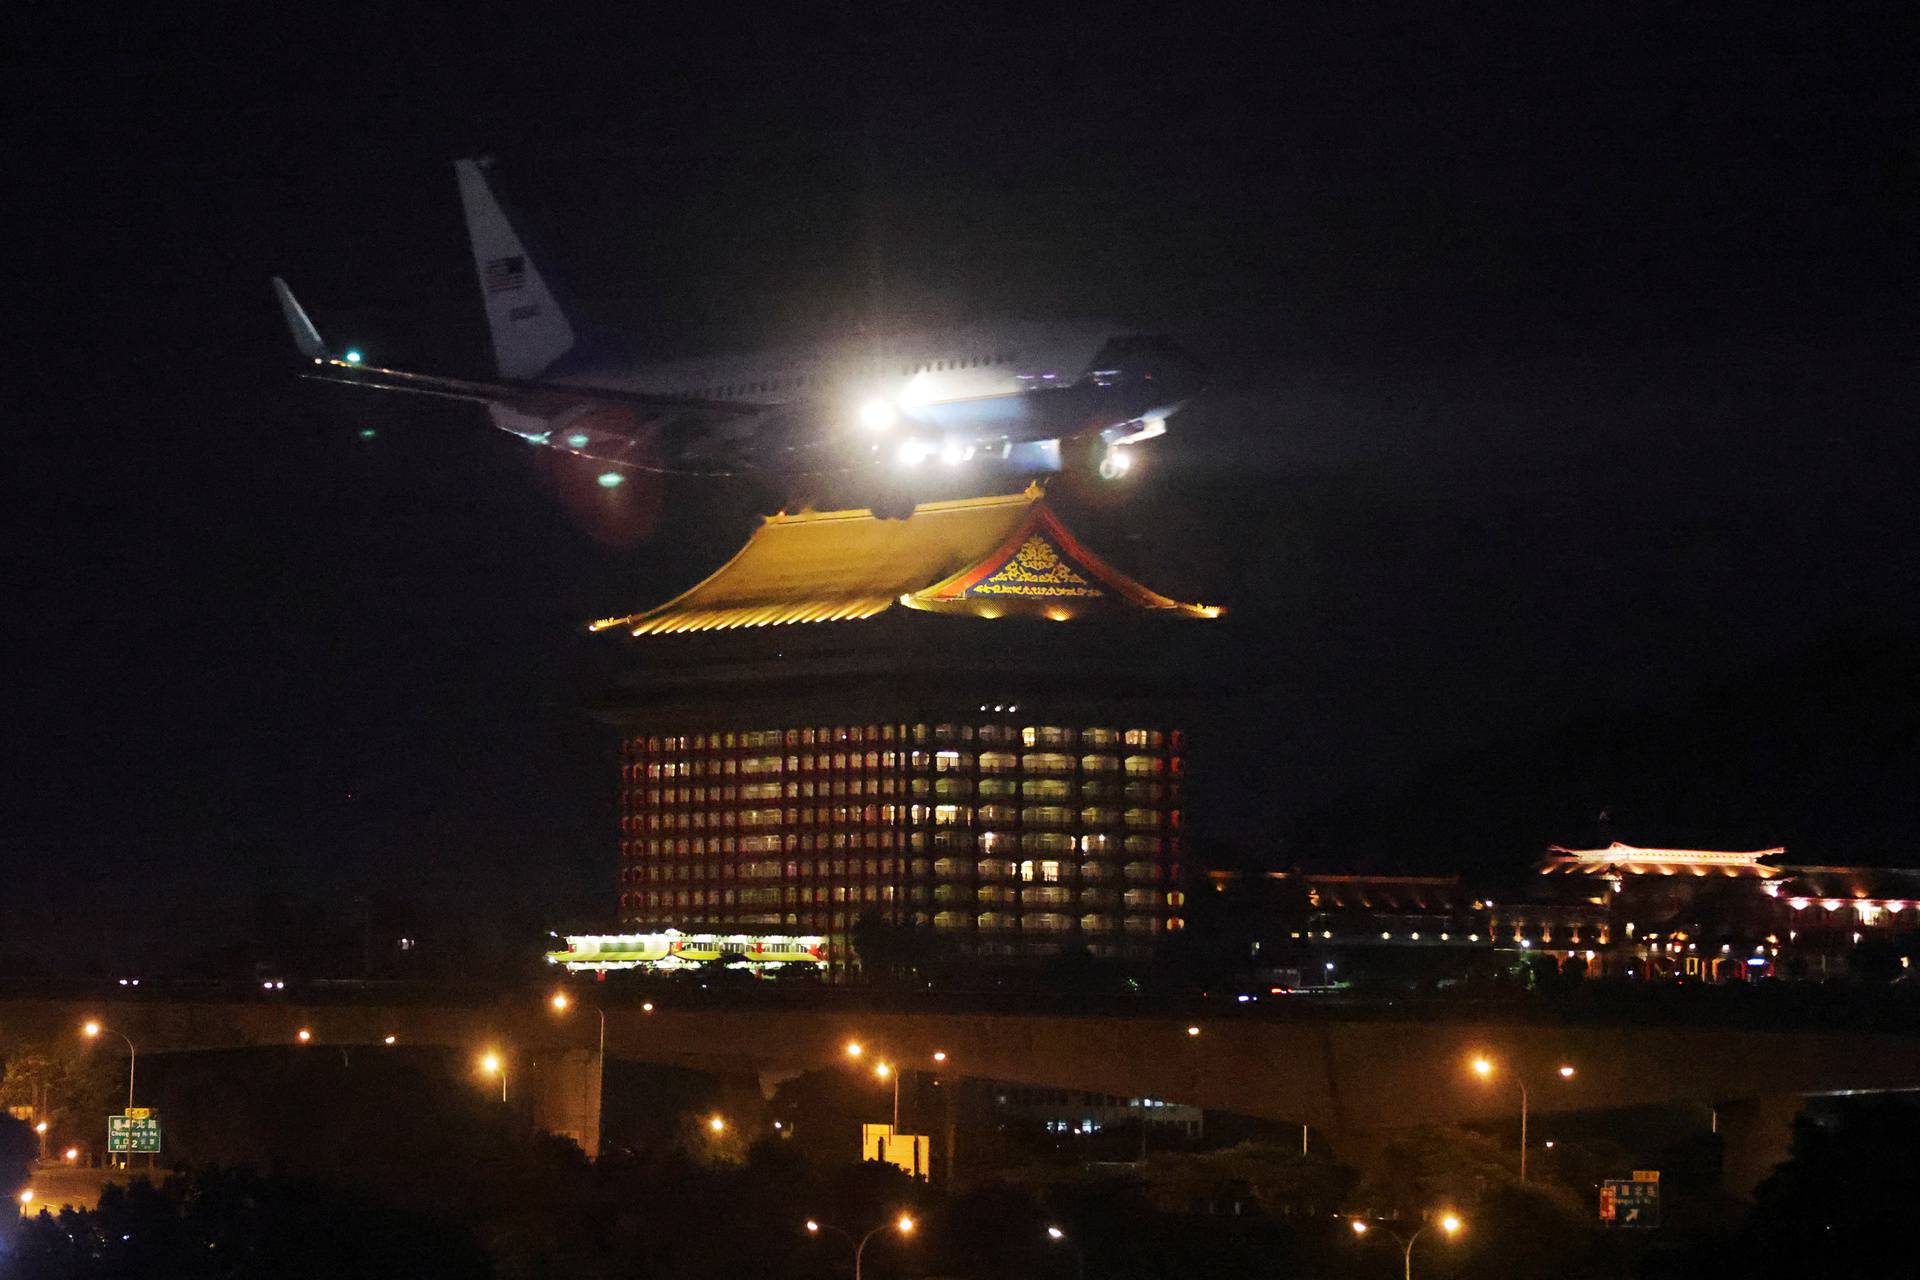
x,y
134,1133
1630,1204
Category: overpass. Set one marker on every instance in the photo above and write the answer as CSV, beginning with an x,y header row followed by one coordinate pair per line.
x,y
1357,1080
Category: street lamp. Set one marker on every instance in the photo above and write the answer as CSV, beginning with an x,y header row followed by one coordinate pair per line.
x,y
1058,1236
1484,1068
717,1125
491,1064
92,1031
1449,1223
855,1048
885,1071
561,1003
904,1224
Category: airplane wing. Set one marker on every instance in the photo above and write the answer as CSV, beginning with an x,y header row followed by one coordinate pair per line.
x,y
534,398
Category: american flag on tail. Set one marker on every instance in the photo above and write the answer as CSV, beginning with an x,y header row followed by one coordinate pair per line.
x,y
504,275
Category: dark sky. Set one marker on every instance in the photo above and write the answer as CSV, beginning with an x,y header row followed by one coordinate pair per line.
x,y
1563,356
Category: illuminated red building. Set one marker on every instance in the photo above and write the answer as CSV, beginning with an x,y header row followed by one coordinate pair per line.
x,y
1713,915
965,721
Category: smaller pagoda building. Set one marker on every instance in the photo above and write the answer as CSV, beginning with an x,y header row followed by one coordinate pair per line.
x,y
966,722
1714,915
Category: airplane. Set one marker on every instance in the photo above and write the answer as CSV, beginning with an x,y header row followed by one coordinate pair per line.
x,y
987,401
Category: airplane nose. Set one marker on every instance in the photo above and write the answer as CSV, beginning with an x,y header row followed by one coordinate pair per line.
x,y
1181,370
1153,360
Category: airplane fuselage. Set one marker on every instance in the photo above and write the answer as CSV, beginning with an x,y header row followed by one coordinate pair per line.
x,y
978,394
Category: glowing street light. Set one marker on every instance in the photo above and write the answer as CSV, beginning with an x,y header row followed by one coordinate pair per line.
x,y
91,1030
26,1198
390,1040
303,1035
646,1007
717,1124
1485,1068
560,1003
885,1071
939,1055
1058,1236
855,1048
492,1064
904,1224
1449,1224
1193,1031
73,1155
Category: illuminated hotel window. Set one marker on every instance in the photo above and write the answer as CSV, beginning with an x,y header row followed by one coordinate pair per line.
x,y
997,762
1047,842
1100,737
952,761
1143,818
1099,764
953,787
1047,762
1047,735
999,734
1046,789
1095,816
1047,815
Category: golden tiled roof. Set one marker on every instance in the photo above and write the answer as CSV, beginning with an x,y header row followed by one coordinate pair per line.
x,y
1622,859
989,557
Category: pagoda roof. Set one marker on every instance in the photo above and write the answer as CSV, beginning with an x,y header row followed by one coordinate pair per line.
x,y
1000,556
1624,859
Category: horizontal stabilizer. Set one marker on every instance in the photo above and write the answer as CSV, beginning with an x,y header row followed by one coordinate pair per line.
x,y
305,336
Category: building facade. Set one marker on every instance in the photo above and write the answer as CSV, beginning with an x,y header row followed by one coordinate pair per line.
x,y
863,718
1715,916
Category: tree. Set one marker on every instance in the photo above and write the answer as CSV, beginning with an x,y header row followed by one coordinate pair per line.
x,y
18,1148
76,1083
1850,1186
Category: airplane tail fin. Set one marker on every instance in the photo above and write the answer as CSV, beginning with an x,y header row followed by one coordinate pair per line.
x,y
530,331
305,336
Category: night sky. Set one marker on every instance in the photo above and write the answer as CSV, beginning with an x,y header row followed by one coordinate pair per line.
x,y
1563,364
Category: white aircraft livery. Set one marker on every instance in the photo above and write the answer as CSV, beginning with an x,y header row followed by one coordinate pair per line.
x,y
873,412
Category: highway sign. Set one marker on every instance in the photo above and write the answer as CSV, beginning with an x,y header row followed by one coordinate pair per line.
x,y
134,1133
1634,1203
139,1113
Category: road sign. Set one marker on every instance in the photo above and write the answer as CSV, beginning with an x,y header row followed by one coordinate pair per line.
x,y
1634,1203
134,1133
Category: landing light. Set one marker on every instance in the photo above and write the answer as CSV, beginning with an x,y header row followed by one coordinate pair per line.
x,y
579,440
913,452
1115,463
878,415
610,480
954,453
352,355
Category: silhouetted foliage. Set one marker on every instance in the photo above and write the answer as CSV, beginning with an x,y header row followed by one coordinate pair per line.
x,y
1844,1200
18,1147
